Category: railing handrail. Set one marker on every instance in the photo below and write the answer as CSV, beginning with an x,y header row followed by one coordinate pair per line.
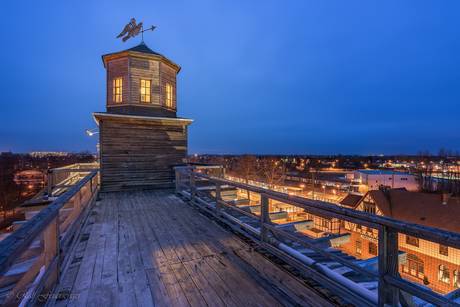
x,y
13,245
76,166
374,221
389,282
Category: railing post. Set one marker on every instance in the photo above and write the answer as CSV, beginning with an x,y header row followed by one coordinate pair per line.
x,y
177,181
388,266
77,203
51,248
218,198
264,217
222,172
192,185
50,183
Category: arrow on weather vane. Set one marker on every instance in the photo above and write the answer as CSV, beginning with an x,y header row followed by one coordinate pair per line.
x,y
133,29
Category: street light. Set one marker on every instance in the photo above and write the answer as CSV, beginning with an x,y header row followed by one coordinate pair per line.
x,y
91,132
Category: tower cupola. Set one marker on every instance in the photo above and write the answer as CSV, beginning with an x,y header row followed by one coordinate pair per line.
x,y
141,82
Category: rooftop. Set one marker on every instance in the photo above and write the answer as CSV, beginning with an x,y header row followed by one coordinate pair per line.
x,y
144,248
381,172
425,209
141,50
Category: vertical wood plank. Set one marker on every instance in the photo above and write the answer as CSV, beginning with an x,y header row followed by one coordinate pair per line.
x,y
50,238
51,250
177,181
388,266
264,217
218,197
192,185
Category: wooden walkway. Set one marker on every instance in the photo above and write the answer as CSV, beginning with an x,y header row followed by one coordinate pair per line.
x,y
151,248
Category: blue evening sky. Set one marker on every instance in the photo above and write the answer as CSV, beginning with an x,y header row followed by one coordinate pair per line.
x,y
322,77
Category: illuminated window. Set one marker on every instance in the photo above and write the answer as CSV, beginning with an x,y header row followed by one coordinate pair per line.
x,y
372,248
443,250
169,95
324,223
359,247
369,207
412,241
443,274
414,266
117,90
456,279
145,90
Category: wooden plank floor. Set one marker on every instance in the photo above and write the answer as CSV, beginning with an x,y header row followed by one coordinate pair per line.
x,y
151,248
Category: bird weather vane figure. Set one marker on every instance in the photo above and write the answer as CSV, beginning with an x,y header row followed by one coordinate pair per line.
x,y
133,29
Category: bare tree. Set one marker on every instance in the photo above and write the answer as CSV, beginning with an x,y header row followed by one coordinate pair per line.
x,y
246,169
273,170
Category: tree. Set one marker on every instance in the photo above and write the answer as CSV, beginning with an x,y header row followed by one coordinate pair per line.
x,y
246,169
273,171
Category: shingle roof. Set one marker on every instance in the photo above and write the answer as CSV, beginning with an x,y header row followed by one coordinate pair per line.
x,y
351,200
142,47
420,208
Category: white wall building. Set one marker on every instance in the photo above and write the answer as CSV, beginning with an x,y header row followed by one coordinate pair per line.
x,y
373,179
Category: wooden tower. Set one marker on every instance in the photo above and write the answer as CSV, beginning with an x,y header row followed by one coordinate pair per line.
x,y
141,138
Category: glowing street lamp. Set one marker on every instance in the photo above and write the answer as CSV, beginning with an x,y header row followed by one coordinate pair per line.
x,y
91,132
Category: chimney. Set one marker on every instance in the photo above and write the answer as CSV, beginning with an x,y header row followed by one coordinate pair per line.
x,y
445,197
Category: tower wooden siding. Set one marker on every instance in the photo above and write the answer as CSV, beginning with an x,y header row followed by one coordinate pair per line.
x,y
140,153
115,69
148,70
168,75
140,142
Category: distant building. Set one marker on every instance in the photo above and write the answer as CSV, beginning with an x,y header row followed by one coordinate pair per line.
x,y
367,180
428,263
42,154
30,177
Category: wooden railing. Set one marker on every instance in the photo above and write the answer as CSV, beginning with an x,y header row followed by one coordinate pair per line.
x,y
392,289
32,257
61,178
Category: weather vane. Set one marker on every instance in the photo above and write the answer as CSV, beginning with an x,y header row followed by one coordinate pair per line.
x,y
132,29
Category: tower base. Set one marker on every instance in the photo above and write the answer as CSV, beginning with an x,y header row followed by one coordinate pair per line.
x,y
139,152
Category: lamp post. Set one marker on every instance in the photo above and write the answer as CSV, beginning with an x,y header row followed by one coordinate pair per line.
x,y
92,132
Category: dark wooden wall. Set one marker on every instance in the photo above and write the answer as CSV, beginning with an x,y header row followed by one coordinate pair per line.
x,y
140,154
148,70
115,69
167,75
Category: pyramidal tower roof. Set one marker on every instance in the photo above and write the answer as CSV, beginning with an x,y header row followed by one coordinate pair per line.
x,y
142,47
141,50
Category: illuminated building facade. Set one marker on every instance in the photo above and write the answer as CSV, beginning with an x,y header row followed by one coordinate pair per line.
x,y
425,262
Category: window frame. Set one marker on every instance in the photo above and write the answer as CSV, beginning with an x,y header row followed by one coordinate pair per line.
x,y
443,274
374,250
117,90
443,250
169,96
147,91
359,247
414,267
456,280
413,241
